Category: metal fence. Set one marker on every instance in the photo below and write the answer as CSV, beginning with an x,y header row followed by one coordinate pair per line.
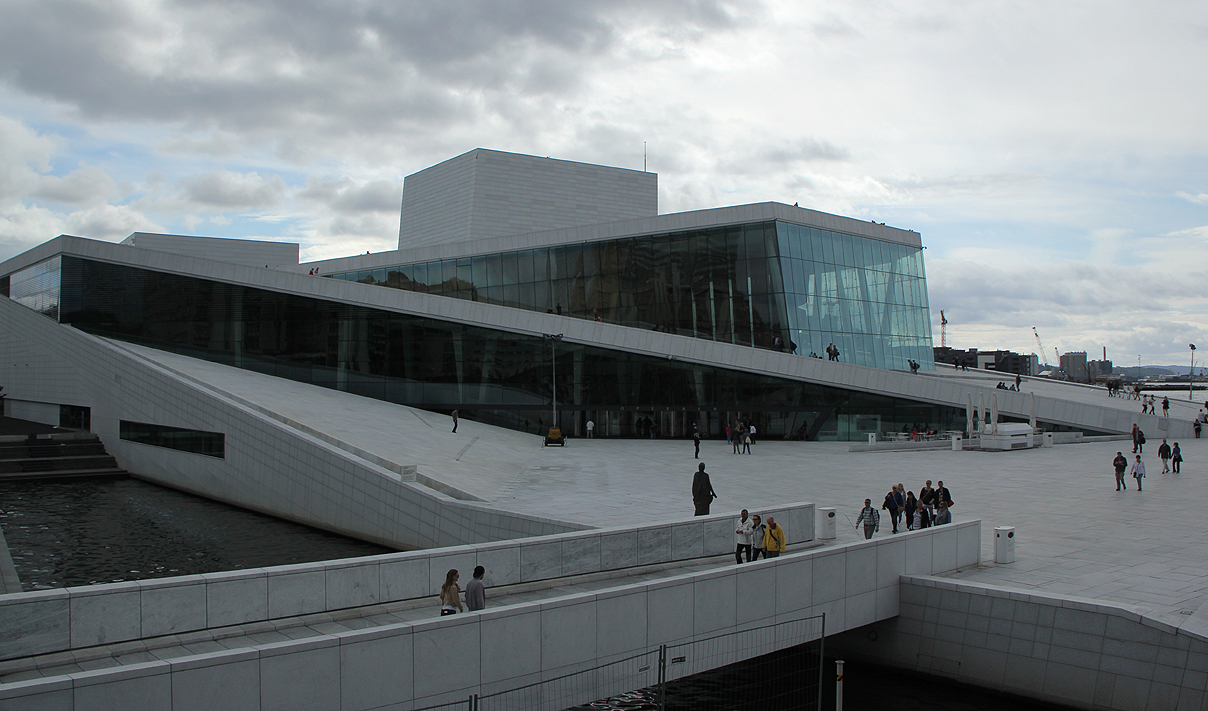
x,y
776,666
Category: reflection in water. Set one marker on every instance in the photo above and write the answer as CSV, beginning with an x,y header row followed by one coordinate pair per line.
x,y
62,534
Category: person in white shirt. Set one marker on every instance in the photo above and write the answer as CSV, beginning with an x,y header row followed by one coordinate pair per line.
x,y
591,428
1138,471
751,431
742,534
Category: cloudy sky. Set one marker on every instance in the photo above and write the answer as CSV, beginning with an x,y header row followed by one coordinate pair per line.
x,y
1053,155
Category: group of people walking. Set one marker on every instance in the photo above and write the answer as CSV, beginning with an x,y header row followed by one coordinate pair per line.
x,y
450,593
742,436
1172,460
755,538
929,508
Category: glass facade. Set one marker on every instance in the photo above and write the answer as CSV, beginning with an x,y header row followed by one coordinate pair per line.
x,y
490,375
211,444
37,287
746,284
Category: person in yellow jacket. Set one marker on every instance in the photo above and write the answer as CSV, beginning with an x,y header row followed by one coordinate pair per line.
x,y
773,539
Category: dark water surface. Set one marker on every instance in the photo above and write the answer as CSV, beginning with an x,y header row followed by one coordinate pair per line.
x,y
62,534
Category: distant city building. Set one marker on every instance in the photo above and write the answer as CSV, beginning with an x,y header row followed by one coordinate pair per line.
x,y
1001,361
1099,369
1074,364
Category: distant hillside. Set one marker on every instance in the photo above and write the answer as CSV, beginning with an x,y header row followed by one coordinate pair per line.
x,y
1144,371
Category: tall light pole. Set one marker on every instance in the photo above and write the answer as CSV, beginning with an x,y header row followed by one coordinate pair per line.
x,y
553,339
1191,374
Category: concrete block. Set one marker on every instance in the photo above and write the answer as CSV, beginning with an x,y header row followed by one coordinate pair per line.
x,y
1071,683
540,561
143,685
830,576
891,561
1024,674
687,541
861,569
861,609
101,614
1130,693
887,603
669,611
654,545
296,590
918,555
502,564
943,549
168,607
38,695
568,632
1080,621
968,546
795,588
405,578
627,604
714,600
236,597
618,549
375,672
217,681
34,623
581,555
757,592
297,675
445,651
354,583
510,643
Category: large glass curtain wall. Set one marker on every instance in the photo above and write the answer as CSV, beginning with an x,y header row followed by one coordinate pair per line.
x,y
491,375
746,284
866,296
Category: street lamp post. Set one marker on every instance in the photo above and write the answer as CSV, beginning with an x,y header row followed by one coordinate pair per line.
x,y
553,339
1191,374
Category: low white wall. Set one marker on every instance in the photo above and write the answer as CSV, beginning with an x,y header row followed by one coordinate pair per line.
x,y
43,412
449,658
1082,653
57,620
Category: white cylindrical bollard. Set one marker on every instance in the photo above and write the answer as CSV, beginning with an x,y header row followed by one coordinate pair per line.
x,y
957,443
838,685
827,524
1004,544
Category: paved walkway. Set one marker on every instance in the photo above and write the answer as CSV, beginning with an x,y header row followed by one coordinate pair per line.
x,y
284,629
1076,534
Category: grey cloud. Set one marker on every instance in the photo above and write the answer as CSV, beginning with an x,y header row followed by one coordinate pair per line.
x,y
806,150
315,67
88,184
343,195
227,190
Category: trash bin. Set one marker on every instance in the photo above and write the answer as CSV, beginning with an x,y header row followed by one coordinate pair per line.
x,y
872,438
958,443
1048,440
1004,544
827,518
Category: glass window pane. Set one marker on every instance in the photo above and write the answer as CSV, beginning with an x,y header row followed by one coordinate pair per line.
x,y
524,266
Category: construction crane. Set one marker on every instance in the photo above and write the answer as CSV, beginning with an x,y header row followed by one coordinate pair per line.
x,y
1043,357
943,330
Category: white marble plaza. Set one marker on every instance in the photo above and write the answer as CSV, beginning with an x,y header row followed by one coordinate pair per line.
x,y
1076,535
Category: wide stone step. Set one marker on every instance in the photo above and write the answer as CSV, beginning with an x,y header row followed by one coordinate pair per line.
x,y
48,464
65,474
51,449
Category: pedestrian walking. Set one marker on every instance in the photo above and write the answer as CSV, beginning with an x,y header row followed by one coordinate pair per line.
x,y
591,429
476,593
943,516
893,503
696,445
1138,471
911,504
455,421
927,499
729,434
1164,454
870,517
1197,427
450,594
757,531
1165,406
1120,463
742,536
746,441
1176,458
751,433
1138,440
773,539
921,519
702,491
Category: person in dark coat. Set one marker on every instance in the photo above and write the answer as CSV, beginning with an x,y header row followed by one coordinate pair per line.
x,y
911,504
702,491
